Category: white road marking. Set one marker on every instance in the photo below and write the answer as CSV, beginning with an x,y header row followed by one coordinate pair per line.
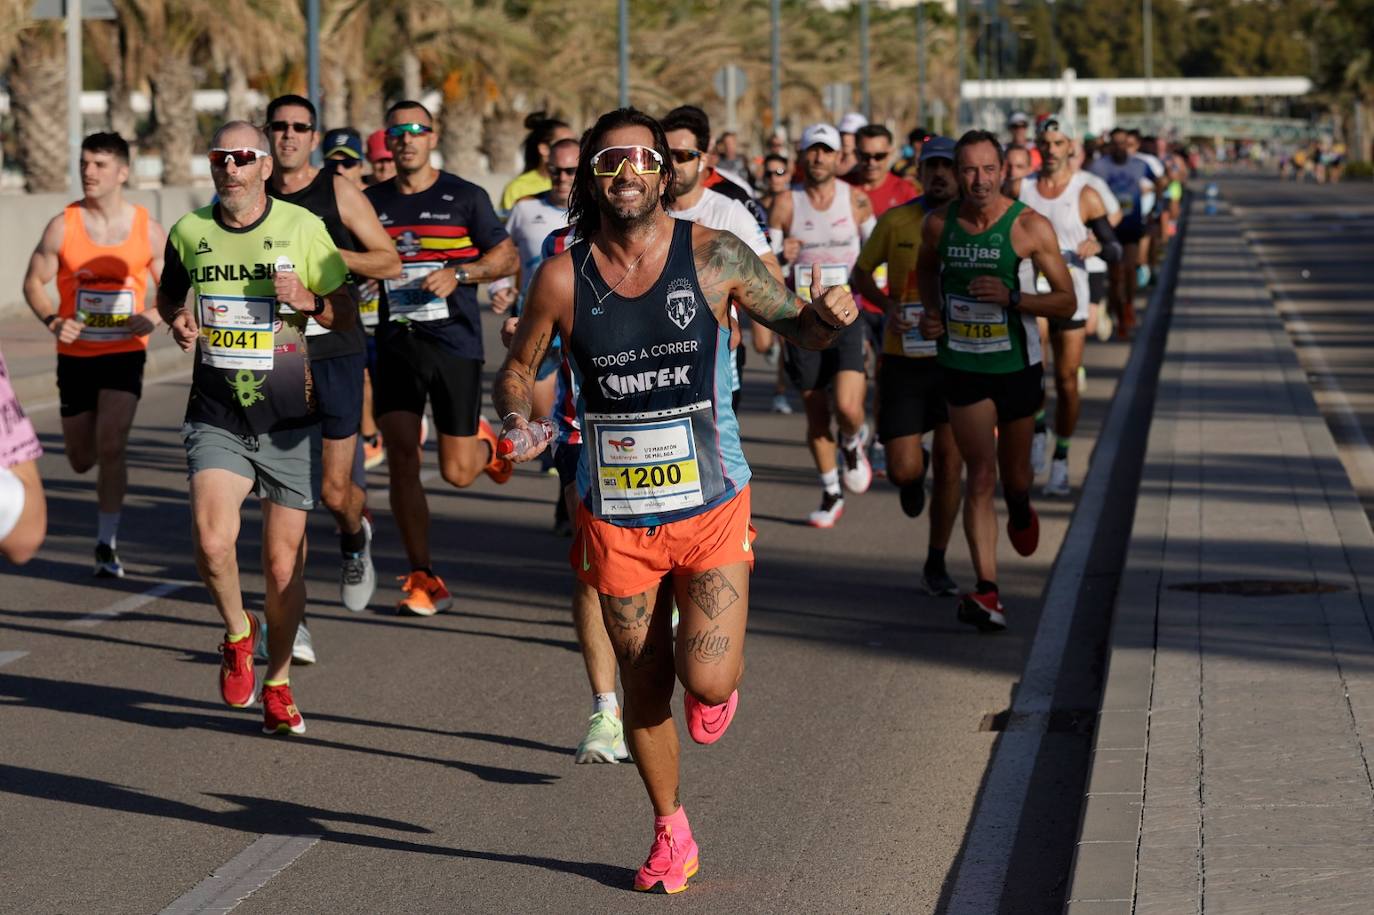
x,y
241,876
129,604
8,656
982,876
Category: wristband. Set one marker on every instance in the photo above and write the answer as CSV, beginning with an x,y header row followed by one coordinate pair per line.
x,y
1014,299
461,274
47,322
318,309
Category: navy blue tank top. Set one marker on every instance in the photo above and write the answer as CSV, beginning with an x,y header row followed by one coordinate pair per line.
x,y
660,440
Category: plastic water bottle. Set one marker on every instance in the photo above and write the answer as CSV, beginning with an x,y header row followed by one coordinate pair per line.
x,y
518,441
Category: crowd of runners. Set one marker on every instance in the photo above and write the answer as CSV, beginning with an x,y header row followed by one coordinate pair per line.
x,y
911,298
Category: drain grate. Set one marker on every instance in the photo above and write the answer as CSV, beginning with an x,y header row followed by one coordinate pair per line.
x,y
1059,721
1259,587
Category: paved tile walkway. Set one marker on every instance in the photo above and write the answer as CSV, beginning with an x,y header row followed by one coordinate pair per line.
x,y
1230,768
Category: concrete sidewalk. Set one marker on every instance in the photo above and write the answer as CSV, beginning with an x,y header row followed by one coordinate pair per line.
x,y
31,357
1229,770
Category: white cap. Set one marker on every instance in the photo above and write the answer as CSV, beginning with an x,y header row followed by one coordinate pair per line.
x,y
851,122
823,134
1018,119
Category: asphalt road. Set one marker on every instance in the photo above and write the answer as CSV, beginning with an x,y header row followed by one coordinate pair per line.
x,y
1314,243
437,769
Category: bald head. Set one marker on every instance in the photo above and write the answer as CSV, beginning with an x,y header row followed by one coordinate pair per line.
x,y
237,135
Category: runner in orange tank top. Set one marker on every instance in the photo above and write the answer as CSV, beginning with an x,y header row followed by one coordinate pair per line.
x,y
100,250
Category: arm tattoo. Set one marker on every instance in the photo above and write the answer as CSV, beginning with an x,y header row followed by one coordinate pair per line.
x,y
541,346
513,391
708,647
712,592
626,614
727,268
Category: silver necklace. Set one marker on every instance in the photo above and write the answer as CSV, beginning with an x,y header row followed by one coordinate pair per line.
x,y
628,270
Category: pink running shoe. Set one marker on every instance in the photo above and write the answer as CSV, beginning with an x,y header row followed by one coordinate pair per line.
x,y
706,723
672,860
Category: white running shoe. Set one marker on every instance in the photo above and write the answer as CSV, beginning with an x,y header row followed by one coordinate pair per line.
x,y
1104,325
832,507
1058,484
1038,452
780,405
604,742
303,652
358,578
855,469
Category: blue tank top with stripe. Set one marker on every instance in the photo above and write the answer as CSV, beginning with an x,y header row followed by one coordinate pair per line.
x,y
660,439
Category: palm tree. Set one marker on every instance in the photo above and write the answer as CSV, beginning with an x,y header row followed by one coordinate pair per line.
x,y
182,30
38,96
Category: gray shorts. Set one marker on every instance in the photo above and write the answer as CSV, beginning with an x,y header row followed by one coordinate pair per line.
x,y
282,465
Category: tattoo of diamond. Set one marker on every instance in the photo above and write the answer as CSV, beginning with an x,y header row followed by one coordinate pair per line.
x,y
712,593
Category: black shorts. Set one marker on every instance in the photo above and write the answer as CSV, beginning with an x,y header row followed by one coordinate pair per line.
x,y
80,379
1059,325
339,393
1097,287
873,328
1129,235
565,458
910,399
411,369
1016,395
812,370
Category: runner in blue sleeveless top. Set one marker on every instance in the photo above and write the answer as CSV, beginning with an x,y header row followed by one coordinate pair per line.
x,y
642,301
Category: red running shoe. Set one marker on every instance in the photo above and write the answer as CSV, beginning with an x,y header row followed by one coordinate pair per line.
x,y
706,723
279,712
672,859
498,468
238,685
1025,540
984,611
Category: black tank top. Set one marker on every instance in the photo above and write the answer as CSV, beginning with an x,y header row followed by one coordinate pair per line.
x,y
661,442
318,197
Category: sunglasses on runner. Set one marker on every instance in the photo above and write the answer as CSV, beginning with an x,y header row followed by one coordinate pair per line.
x,y
609,162
568,172
779,172
874,157
247,155
400,130
297,126
341,162
683,156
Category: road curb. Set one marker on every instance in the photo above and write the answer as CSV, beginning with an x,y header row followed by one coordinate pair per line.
x,y
1102,878
37,391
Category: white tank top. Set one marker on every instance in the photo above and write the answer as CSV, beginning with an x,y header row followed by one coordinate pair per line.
x,y
1066,215
829,237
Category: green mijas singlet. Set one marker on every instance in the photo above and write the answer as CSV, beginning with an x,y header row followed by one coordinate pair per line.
x,y
982,336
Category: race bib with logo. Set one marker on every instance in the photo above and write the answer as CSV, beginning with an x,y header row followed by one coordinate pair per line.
x,y
409,301
831,275
913,344
105,312
976,327
645,463
369,304
236,332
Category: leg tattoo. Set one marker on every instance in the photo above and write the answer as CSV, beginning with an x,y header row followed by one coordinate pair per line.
x,y
712,593
708,647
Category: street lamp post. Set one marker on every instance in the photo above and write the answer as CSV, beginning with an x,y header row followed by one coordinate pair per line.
x,y
863,59
960,116
624,53
1148,29
775,67
920,63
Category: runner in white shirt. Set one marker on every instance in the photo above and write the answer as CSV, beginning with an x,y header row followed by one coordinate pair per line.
x,y
1099,318
688,140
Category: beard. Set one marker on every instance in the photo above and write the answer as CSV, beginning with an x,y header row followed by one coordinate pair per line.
x,y
628,214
